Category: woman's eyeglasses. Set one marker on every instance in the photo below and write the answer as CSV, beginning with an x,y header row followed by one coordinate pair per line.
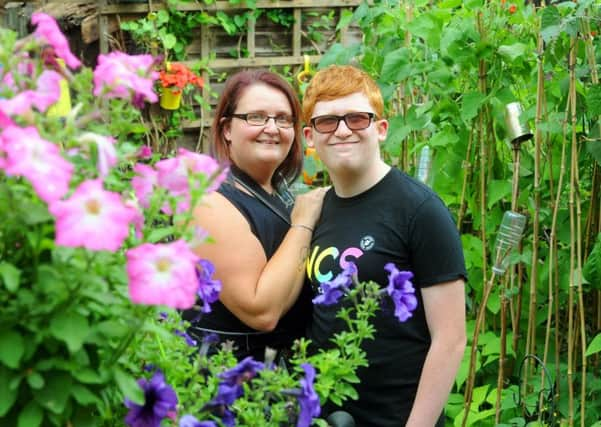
x,y
261,119
354,121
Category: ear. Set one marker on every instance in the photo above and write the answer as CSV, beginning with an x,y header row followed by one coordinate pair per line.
x,y
382,129
308,133
227,131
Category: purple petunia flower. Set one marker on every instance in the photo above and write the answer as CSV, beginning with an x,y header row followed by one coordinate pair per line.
x,y
208,289
191,421
332,291
308,400
159,400
401,291
230,388
189,340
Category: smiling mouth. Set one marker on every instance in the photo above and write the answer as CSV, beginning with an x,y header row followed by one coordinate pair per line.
x,y
269,142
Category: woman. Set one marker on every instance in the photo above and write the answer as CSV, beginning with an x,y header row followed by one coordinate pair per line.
x,y
259,247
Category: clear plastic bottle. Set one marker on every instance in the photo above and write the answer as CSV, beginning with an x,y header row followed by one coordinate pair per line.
x,y
423,172
508,237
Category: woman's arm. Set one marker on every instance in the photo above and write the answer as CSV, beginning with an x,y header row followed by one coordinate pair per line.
x,y
258,291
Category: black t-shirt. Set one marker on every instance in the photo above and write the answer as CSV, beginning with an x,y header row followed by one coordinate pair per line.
x,y
270,230
402,221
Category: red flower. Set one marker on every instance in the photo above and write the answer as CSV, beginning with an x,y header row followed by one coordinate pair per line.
x,y
177,75
512,8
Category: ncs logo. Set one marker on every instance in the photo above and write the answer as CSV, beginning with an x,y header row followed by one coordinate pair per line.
x,y
319,256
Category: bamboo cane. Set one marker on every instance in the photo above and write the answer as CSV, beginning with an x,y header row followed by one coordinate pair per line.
x,y
573,151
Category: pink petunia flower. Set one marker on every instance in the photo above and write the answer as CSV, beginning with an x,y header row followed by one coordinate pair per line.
x,y
38,160
92,218
145,152
162,274
144,183
174,174
47,29
17,105
48,90
119,75
46,94
106,153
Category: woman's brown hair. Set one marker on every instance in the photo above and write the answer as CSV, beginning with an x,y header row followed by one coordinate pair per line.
x,y
235,85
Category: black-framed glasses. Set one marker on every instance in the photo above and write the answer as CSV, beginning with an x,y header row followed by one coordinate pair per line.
x,y
354,121
261,119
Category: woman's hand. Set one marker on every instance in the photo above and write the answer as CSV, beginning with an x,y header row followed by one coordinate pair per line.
x,y
307,207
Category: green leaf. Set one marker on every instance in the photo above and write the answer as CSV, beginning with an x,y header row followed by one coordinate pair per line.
x,y
339,54
444,138
129,386
593,100
72,328
470,104
83,395
594,346
550,23
55,394
346,16
7,396
393,63
10,275
169,41
497,190
592,267
31,415
158,234
511,52
12,348
35,380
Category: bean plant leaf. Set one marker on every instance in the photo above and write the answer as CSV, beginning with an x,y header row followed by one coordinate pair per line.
x,y
593,100
470,105
393,63
592,267
12,348
550,23
513,51
444,138
346,16
10,276
497,190
594,346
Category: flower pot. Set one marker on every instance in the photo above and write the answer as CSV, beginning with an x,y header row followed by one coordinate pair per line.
x,y
62,107
170,100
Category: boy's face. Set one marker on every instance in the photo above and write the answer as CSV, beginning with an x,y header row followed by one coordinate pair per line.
x,y
347,149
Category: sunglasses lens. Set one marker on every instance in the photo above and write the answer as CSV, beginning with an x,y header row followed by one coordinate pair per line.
x,y
357,121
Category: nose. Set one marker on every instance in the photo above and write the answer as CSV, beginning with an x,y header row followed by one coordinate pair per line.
x,y
342,130
270,126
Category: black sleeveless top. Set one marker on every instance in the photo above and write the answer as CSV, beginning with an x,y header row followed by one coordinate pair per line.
x,y
270,230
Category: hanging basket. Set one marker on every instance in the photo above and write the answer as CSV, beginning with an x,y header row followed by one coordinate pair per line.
x,y
170,100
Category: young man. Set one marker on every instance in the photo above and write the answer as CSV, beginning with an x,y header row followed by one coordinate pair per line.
x,y
373,215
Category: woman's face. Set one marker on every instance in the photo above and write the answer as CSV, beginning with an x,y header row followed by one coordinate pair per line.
x,y
259,147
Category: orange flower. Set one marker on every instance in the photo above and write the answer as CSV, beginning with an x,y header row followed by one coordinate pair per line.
x,y
512,8
503,2
177,75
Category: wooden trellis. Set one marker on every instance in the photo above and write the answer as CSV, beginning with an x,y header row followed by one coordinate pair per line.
x,y
210,40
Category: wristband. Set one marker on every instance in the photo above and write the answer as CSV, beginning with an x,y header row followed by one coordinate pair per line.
x,y
306,227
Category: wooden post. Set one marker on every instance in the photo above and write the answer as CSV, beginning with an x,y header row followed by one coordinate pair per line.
x,y
102,27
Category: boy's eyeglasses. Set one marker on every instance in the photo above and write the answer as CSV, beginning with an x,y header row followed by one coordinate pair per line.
x,y
354,121
261,119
